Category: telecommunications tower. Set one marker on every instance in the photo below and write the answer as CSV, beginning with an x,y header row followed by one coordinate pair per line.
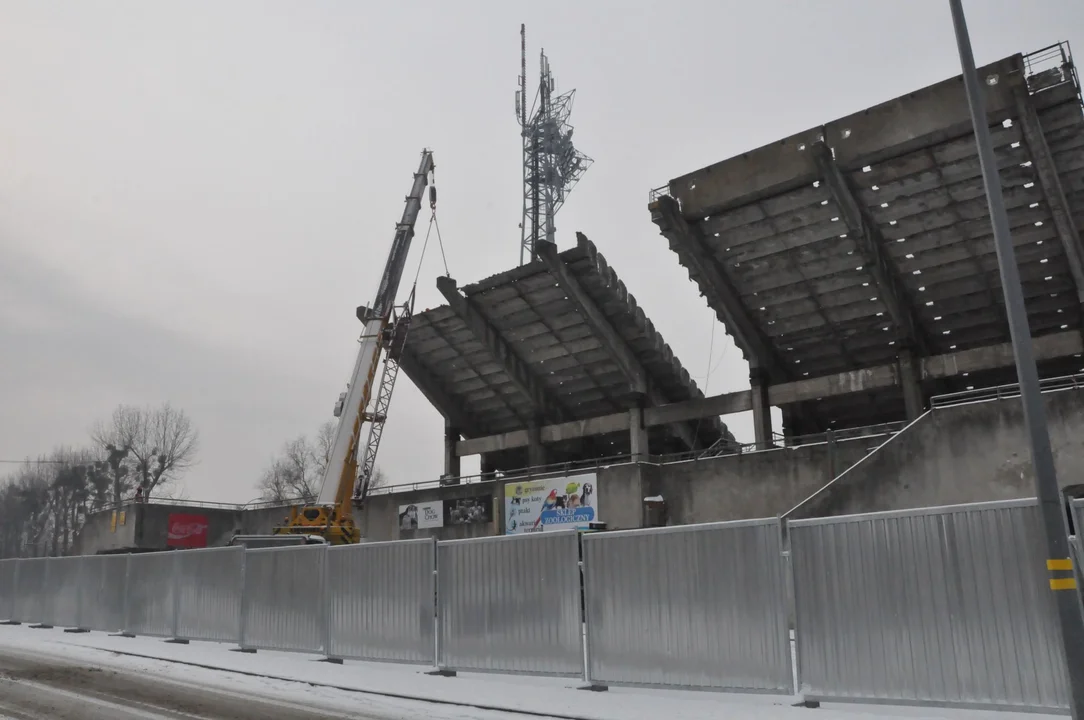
x,y
551,164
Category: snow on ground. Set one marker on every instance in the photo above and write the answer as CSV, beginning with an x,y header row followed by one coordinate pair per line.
x,y
406,691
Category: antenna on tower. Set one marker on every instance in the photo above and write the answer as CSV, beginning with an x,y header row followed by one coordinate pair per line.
x,y
551,163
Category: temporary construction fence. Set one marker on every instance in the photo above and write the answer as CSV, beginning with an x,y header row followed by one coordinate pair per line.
x,y
511,604
695,606
941,606
945,606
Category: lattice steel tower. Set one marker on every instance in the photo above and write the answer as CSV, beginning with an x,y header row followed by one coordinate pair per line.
x,y
551,164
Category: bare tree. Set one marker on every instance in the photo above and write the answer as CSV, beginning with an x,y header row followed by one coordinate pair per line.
x,y
295,474
114,440
379,478
165,446
321,447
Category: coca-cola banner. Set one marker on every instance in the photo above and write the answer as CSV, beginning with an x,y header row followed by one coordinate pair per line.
x,y
187,531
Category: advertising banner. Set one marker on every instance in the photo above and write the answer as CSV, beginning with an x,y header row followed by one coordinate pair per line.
x,y
187,531
421,516
468,511
559,503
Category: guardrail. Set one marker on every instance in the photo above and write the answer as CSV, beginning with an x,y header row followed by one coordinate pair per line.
x,y
940,606
1002,392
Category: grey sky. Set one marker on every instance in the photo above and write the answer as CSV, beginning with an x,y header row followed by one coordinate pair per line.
x,y
194,196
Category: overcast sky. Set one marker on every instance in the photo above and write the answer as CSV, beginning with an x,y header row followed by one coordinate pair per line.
x,y
194,196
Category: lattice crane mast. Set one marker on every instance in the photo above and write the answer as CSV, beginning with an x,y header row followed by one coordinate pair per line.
x,y
331,516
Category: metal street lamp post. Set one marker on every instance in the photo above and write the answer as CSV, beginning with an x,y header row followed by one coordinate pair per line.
x,y
1046,481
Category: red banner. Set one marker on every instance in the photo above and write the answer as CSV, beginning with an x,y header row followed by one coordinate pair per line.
x,y
187,531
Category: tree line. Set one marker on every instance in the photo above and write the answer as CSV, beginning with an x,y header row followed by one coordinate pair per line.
x,y
45,501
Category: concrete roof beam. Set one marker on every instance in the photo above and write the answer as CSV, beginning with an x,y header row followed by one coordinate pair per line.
x,y
872,244
1051,187
488,336
721,295
618,349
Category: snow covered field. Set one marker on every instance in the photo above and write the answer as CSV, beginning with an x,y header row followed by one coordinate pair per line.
x,y
359,689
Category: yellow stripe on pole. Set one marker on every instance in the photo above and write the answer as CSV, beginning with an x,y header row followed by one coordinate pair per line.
x,y
1063,584
1059,564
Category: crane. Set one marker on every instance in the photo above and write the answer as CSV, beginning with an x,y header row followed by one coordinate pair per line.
x,y
331,516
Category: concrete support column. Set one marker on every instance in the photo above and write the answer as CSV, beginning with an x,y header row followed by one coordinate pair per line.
x,y
536,451
451,460
638,436
485,467
913,401
762,411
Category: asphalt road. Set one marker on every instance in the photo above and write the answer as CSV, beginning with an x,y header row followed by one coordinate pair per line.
x,y
44,688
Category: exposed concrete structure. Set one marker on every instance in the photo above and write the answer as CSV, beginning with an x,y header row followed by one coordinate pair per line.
x,y
906,375
864,244
557,342
145,526
967,452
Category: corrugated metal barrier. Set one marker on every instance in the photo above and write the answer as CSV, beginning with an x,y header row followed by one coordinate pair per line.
x,y
944,606
209,589
150,609
104,592
511,604
941,606
282,608
381,601
63,583
1078,546
695,606
30,590
8,569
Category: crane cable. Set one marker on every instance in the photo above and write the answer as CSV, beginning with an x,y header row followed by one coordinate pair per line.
x,y
432,224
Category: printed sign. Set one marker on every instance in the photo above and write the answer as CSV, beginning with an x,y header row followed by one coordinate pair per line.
x,y
421,516
187,531
468,511
559,503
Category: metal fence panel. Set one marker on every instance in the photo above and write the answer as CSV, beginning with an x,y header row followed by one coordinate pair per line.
x,y
698,606
511,604
7,589
104,581
30,590
946,606
1077,506
381,601
283,603
62,592
209,587
150,594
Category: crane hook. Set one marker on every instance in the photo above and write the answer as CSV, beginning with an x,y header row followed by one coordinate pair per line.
x,y
432,197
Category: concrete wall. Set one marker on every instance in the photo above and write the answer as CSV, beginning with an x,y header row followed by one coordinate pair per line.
x,y
98,533
753,485
379,520
146,526
967,453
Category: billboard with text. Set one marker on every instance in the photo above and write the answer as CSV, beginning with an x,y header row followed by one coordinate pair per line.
x,y
558,503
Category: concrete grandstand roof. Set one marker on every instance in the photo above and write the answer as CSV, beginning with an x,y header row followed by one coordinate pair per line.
x,y
555,340
838,247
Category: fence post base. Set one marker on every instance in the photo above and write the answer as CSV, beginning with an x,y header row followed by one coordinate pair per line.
x,y
177,641
594,687
250,651
811,704
76,630
441,672
123,634
41,626
11,622
333,661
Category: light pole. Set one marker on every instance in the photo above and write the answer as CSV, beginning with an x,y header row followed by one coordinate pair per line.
x,y
1046,482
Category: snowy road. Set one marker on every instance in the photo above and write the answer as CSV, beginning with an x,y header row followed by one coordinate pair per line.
x,y
37,686
52,674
